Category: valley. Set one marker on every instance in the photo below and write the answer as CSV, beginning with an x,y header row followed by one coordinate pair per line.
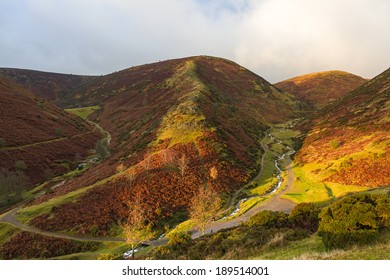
x,y
154,135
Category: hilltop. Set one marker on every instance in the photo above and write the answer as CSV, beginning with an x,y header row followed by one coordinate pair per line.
x,y
320,88
171,123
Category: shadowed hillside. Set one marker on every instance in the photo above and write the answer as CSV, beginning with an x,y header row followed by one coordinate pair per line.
x,y
50,86
37,137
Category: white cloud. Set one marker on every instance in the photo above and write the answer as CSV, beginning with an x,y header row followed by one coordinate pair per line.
x,y
275,38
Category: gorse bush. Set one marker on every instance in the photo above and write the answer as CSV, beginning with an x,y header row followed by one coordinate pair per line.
x,y
305,216
269,219
354,220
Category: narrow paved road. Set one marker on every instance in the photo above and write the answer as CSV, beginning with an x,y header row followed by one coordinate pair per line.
x,y
275,203
9,218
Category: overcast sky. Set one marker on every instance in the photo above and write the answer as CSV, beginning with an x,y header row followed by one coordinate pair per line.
x,y
276,39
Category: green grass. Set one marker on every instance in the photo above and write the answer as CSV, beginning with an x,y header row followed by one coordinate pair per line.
x,y
83,112
184,123
114,248
308,189
26,214
6,232
249,204
313,248
305,189
182,227
267,178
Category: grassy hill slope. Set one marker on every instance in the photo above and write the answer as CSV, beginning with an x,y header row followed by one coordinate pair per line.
x,y
349,140
320,88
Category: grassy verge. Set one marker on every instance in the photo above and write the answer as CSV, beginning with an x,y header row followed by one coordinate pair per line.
x,y
107,248
307,189
266,180
6,232
26,214
313,248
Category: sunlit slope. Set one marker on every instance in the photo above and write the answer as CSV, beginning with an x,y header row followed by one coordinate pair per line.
x,y
349,139
320,88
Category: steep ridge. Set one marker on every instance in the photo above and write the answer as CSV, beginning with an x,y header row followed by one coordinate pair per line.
x,y
43,139
50,86
175,125
349,141
320,88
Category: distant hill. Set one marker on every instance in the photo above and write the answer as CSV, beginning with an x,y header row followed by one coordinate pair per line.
x,y
320,88
349,140
176,125
51,86
42,136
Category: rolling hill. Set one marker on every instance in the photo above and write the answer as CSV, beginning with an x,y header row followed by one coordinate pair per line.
x,y
50,86
349,141
320,88
38,138
175,125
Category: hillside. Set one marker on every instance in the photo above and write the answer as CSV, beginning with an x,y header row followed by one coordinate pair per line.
x,y
171,128
349,140
50,86
175,125
38,138
320,88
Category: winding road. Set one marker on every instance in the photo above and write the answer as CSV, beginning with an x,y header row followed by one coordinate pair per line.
x,y
274,203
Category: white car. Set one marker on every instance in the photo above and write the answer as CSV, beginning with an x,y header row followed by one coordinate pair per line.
x,y
129,253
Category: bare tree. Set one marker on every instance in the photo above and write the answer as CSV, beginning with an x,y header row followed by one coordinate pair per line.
x,y
147,161
182,163
136,230
204,207
166,155
131,176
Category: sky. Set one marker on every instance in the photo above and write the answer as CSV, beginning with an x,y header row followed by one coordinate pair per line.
x,y
276,39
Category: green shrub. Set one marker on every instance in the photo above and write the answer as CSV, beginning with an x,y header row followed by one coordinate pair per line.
x,y
305,216
180,240
3,143
109,257
20,165
334,144
355,219
268,219
101,149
